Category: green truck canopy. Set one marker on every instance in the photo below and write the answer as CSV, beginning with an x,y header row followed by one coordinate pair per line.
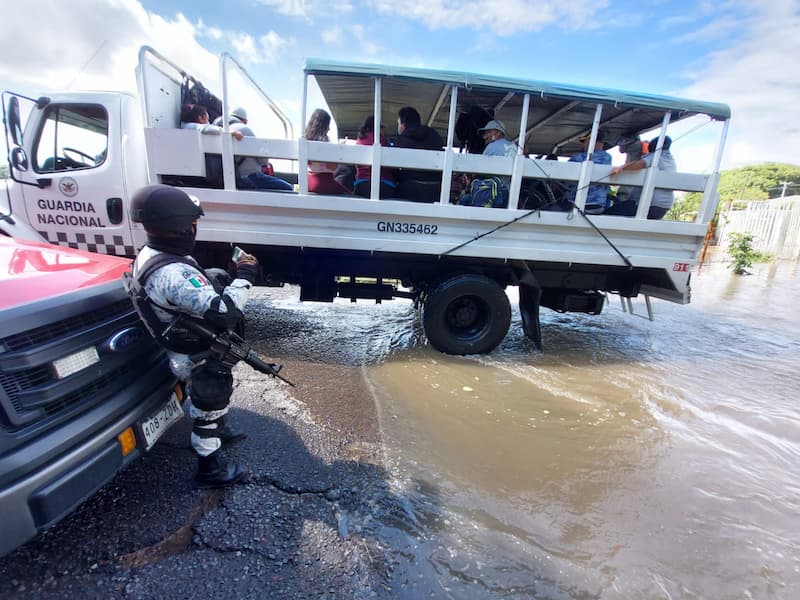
x,y
558,113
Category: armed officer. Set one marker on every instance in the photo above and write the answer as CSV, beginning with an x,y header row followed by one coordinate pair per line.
x,y
168,285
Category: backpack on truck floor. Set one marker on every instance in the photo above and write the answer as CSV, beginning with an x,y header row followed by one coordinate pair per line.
x,y
490,192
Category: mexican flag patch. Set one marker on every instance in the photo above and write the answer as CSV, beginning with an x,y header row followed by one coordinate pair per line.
x,y
198,282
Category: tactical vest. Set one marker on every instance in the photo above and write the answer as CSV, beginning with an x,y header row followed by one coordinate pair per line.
x,y
172,335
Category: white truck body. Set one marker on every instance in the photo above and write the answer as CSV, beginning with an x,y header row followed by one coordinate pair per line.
x,y
330,244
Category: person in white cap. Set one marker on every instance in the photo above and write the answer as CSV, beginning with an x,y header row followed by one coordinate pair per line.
x,y
491,191
250,173
494,134
240,114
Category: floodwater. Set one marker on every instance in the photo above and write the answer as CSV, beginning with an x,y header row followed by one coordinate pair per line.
x,y
630,459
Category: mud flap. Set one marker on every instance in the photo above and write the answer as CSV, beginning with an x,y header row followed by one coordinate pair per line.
x,y
529,296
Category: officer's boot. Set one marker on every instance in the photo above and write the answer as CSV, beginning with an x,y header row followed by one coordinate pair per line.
x,y
213,472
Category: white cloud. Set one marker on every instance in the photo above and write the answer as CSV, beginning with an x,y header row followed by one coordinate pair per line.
x,y
262,51
332,35
351,34
294,8
90,44
716,29
215,33
759,77
501,17
87,44
363,37
308,9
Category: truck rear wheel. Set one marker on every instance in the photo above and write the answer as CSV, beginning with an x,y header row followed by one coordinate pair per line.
x,y
466,314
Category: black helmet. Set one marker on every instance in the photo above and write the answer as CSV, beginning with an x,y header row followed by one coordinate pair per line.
x,y
164,208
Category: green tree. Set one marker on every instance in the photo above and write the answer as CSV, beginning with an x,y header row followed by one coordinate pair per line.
x,y
752,182
3,171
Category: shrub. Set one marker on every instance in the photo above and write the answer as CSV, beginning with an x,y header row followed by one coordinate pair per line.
x,y
742,253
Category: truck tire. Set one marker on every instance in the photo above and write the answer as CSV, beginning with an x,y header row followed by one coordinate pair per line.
x,y
466,314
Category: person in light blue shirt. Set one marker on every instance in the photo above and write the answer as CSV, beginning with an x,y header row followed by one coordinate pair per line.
x,y
491,191
597,196
494,134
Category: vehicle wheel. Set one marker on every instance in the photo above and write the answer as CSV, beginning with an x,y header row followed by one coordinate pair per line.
x,y
466,314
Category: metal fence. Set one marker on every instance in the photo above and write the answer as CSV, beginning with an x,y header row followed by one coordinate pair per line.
x,y
774,225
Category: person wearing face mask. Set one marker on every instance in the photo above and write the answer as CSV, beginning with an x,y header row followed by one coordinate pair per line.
x,y
497,144
166,282
491,192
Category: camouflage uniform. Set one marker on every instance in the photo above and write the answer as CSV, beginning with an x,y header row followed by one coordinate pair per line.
x,y
187,289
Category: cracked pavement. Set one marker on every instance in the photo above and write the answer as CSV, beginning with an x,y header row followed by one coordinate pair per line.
x,y
303,525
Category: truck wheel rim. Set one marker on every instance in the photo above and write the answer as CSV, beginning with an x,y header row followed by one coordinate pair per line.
x,y
466,316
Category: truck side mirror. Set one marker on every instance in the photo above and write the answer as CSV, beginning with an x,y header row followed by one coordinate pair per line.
x,y
15,122
18,159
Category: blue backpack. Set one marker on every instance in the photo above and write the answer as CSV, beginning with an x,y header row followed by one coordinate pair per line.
x,y
491,192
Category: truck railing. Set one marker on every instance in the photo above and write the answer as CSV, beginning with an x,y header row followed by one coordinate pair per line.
x,y
517,169
180,152
225,61
159,109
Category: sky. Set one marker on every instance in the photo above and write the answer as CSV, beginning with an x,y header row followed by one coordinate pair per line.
x,y
741,53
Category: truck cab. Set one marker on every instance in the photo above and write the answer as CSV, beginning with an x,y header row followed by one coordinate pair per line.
x,y
80,157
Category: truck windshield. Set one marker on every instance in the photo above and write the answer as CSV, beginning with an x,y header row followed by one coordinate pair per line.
x,y
72,137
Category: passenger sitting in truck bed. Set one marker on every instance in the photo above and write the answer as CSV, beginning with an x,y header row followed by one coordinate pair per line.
x,y
366,137
491,192
195,116
662,199
320,174
250,170
597,196
417,186
627,197
497,144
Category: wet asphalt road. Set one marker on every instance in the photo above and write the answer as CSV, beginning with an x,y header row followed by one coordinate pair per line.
x,y
302,526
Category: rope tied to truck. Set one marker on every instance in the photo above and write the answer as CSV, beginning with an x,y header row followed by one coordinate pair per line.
x,y
552,201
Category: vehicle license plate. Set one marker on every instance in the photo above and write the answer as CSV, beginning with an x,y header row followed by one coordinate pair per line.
x,y
154,427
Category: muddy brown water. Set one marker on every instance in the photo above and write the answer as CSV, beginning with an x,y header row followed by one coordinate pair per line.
x,y
630,459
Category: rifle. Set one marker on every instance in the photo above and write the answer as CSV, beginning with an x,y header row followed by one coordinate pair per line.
x,y
228,344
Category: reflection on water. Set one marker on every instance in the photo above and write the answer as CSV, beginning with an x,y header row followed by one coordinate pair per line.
x,y
630,459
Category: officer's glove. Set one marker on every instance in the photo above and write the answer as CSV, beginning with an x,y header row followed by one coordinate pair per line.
x,y
246,267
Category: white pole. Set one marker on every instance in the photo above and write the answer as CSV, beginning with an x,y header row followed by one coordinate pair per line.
x,y
708,205
228,169
447,168
650,177
302,147
586,165
519,159
375,178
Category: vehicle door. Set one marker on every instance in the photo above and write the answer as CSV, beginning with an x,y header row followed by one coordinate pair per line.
x,y
73,187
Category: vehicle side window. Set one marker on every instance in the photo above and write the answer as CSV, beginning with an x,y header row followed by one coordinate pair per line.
x,y
73,136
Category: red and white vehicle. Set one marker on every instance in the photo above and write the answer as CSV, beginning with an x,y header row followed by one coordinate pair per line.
x,y
84,390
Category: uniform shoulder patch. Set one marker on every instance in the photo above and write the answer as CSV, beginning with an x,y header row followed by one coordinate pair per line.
x,y
196,279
